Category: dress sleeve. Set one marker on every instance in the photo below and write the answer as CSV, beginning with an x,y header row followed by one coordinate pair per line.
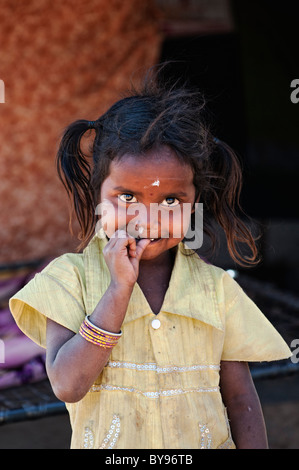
x,y
55,293
249,335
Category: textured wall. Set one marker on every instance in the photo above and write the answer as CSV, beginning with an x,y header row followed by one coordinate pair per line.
x,y
60,61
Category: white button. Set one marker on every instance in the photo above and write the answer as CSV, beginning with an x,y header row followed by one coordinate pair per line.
x,y
156,323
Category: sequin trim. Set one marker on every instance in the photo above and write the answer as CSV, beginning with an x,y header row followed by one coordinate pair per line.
x,y
206,439
160,370
113,434
88,438
156,394
109,441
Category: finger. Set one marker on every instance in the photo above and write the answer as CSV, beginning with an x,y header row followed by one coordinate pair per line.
x,y
118,244
132,246
120,239
119,234
112,241
132,253
141,246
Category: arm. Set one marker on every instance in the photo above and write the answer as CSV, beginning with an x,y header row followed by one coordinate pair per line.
x,y
243,406
73,363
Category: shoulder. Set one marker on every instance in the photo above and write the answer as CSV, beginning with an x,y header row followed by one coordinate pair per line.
x,y
67,268
57,293
225,288
219,276
67,260
63,278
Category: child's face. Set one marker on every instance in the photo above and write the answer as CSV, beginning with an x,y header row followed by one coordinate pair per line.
x,y
150,197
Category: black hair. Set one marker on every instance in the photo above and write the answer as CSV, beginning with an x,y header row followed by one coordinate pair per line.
x,y
145,119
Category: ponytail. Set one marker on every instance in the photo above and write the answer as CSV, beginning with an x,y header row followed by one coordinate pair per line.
x,y
222,201
75,173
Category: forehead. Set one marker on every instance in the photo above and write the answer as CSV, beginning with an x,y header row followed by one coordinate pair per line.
x,y
154,169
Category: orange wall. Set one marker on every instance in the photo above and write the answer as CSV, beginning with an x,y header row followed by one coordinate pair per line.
x,y
60,61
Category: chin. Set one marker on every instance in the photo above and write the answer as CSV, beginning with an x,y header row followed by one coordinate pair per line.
x,y
159,247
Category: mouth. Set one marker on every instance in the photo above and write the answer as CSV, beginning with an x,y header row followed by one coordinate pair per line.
x,y
152,240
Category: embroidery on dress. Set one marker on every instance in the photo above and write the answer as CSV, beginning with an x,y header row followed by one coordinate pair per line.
x,y
113,434
154,394
161,370
88,438
206,439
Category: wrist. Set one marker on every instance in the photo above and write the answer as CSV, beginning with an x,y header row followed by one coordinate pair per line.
x,y
121,288
111,309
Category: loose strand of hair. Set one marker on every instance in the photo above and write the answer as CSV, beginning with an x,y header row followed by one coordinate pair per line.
x,y
75,173
225,205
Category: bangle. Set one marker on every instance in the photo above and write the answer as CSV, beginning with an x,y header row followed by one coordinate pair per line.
x,y
97,336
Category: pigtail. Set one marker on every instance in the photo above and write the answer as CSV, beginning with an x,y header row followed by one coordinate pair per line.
x,y
223,202
75,173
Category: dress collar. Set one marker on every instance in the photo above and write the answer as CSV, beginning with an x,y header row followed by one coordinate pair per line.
x,y
191,291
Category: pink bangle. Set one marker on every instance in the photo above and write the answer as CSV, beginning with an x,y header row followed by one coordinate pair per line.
x,y
97,336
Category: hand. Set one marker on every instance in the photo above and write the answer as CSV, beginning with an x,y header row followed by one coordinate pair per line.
x,y
122,255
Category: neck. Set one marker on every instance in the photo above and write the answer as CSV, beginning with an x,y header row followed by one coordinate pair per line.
x,y
165,259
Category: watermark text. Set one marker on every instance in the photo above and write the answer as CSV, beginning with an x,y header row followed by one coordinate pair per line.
x,y
2,352
295,93
2,91
295,352
155,221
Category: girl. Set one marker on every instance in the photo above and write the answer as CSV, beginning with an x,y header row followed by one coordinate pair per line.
x,y
146,342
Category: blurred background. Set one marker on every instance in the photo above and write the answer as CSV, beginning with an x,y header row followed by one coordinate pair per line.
x,y
61,61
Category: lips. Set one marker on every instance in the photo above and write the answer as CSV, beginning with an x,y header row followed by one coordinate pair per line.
x,y
153,240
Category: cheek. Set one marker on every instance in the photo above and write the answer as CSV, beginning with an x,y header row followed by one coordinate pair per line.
x,y
181,220
113,217
176,221
186,216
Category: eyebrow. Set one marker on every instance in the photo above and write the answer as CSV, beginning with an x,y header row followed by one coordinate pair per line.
x,y
126,190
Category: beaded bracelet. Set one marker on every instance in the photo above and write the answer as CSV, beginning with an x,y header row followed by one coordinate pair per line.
x,y
97,336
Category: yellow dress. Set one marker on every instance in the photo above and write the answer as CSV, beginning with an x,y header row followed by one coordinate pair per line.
x,y
160,388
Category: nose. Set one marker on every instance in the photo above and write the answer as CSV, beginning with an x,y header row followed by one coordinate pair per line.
x,y
146,224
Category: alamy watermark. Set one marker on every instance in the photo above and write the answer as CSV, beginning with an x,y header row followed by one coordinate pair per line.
x,y
295,93
161,221
2,91
2,352
295,352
